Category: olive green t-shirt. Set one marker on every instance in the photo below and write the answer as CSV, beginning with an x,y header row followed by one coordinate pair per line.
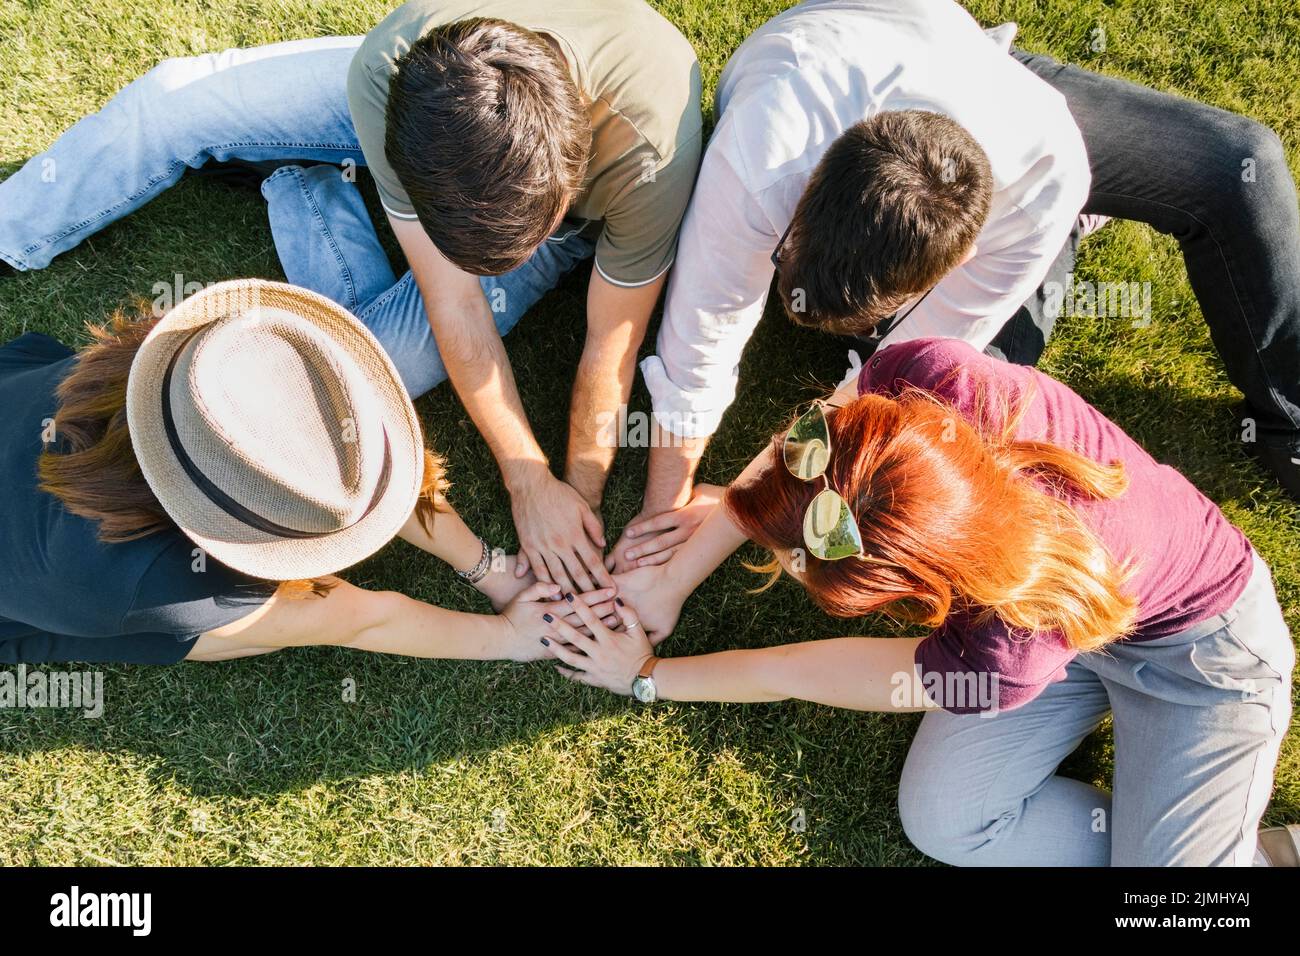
x,y
642,81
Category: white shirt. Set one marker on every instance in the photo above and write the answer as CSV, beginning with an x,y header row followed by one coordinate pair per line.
x,y
787,93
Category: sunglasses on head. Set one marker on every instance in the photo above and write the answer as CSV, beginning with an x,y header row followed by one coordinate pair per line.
x,y
830,530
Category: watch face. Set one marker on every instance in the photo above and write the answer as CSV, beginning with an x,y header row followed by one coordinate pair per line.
x,y
643,689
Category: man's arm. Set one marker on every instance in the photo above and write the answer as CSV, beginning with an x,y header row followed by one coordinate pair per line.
x,y
558,532
716,296
617,318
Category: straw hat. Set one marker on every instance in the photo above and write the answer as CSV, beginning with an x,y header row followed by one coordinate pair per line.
x,y
274,430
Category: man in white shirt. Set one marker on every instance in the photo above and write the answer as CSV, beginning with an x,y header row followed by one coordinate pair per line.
x,y
905,177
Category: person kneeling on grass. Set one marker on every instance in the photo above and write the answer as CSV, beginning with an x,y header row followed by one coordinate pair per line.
x,y
1066,574
186,488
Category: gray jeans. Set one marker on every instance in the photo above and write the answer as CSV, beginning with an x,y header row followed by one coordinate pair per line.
x,y
1198,720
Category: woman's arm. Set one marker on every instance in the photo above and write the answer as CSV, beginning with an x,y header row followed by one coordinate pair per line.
x,y
452,541
390,623
859,673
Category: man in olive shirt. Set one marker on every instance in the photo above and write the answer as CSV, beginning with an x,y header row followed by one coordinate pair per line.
x,y
573,122
509,140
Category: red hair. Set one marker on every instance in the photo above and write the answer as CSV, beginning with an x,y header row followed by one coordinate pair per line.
x,y
953,517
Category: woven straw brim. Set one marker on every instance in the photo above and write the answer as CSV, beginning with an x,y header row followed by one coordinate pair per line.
x,y
225,538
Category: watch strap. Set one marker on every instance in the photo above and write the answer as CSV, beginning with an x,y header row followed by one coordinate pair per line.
x,y
649,666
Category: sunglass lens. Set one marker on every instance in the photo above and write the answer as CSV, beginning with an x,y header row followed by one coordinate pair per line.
x,y
829,528
807,445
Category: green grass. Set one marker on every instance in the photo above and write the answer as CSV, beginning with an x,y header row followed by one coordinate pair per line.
x,y
261,761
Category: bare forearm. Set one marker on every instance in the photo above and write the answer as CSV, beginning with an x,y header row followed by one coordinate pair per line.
x,y
858,673
481,374
671,473
472,351
416,629
601,388
449,539
715,540
617,317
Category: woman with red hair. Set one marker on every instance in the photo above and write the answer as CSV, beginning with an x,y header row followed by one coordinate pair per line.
x,y
1064,574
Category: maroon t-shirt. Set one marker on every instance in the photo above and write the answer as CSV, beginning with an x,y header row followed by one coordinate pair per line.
x,y
1190,562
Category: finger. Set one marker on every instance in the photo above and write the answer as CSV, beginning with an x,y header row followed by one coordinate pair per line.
x,y
582,581
662,557
534,559
558,573
594,528
571,635
578,677
522,566
565,612
668,539
627,614
660,522
611,561
540,591
593,561
564,653
604,609
599,596
587,616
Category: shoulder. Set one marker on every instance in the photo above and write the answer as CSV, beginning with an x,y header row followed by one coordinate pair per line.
x,y
921,363
185,592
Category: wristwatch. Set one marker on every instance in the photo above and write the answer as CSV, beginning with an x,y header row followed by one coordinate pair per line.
x,y
643,688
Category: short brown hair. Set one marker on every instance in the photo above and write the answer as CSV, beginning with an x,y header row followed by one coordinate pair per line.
x,y
891,208
489,137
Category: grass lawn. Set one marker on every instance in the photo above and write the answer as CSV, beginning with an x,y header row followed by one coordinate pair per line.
x,y
262,762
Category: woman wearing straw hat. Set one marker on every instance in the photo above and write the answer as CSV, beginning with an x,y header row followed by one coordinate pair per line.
x,y
187,488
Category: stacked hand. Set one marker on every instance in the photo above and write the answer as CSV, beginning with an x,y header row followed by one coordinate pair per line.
x,y
598,655
651,539
551,550
527,615
560,537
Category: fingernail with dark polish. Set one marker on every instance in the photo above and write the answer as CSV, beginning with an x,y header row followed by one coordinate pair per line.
x,y
569,598
545,642
619,602
548,619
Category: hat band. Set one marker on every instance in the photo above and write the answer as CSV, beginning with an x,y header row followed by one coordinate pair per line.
x,y
228,504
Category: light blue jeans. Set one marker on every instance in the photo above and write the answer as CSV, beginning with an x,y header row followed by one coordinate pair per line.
x,y
1199,718
282,102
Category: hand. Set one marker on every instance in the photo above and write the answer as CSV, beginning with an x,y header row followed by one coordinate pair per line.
x,y
525,616
653,539
607,658
655,590
502,585
560,536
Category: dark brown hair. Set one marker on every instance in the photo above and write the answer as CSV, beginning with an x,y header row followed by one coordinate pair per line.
x,y
91,467
891,208
489,137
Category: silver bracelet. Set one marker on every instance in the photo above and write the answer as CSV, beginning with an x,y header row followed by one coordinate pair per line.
x,y
480,570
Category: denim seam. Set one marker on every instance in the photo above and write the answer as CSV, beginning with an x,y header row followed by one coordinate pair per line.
x,y
344,271
41,244
383,299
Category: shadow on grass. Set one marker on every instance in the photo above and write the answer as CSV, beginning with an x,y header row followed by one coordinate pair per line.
x,y
278,724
